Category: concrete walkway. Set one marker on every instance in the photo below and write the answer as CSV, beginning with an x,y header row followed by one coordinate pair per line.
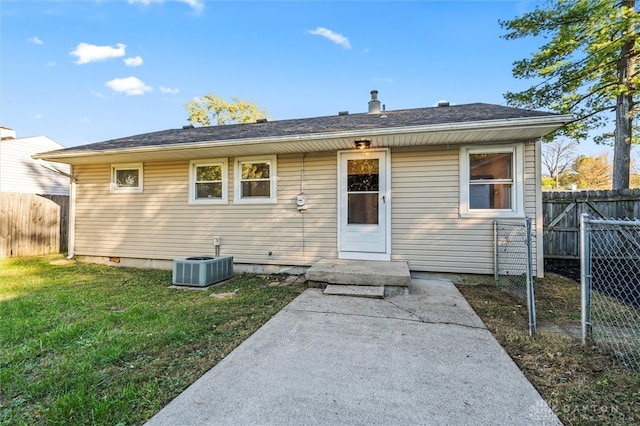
x,y
423,358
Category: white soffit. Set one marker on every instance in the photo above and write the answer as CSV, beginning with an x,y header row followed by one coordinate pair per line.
x,y
453,133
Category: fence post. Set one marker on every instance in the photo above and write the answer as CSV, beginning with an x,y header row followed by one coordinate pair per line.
x,y
495,251
585,277
531,300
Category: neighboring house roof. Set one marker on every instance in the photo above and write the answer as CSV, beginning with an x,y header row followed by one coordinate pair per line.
x,y
296,135
19,172
7,133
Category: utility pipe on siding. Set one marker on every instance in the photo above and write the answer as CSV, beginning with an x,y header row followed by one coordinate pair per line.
x,y
302,192
71,238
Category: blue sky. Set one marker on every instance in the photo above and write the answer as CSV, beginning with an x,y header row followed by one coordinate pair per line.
x,y
93,70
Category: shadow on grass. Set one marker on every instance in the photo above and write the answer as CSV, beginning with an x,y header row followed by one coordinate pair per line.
x,y
88,344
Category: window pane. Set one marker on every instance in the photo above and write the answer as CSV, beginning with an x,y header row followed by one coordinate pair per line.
x,y
362,175
256,189
490,166
127,178
490,196
363,209
209,190
208,173
255,171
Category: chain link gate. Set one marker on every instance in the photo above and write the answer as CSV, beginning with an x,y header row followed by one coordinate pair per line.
x,y
610,280
513,262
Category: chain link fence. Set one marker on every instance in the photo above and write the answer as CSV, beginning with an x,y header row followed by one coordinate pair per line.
x,y
513,262
610,278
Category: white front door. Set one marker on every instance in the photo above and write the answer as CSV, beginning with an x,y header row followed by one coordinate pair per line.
x,y
363,205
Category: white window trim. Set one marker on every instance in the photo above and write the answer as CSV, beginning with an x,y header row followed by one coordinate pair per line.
x,y
192,181
517,190
126,166
271,159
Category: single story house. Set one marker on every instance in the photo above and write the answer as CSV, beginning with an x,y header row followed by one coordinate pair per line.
x,y
418,185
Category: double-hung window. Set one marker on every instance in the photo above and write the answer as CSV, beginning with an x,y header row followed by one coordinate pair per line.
x,y
491,181
126,178
208,182
255,180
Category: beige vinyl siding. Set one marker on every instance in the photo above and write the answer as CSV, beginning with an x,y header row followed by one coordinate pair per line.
x,y
531,182
160,224
427,230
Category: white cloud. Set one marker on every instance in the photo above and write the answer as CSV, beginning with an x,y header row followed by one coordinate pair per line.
x,y
51,63
169,90
133,62
97,94
38,116
332,36
91,53
144,2
194,4
129,86
34,40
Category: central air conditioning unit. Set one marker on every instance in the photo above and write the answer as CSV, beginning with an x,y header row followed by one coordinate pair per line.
x,y
202,271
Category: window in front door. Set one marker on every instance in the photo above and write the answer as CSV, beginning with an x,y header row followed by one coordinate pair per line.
x,y
363,191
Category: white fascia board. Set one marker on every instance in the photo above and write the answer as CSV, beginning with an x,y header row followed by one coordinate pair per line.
x,y
544,121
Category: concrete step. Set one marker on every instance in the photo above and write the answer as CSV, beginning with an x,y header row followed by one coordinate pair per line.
x,y
372,292
360,272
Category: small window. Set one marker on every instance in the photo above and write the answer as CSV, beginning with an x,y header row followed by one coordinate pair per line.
x,y
256,180
126,177
208,182
491,182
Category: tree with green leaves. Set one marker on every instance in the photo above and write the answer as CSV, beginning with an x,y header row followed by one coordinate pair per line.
x,y
587,67
212,108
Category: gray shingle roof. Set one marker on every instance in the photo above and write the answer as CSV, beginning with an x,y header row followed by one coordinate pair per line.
x,y
307,126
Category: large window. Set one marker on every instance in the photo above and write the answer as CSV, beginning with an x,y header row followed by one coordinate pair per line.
x,y
126,177
208,182
255,180
491,181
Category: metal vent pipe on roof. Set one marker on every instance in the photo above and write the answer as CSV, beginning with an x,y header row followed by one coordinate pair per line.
x,y
374,103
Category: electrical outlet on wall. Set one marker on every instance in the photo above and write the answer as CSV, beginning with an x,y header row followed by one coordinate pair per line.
x,y
216,241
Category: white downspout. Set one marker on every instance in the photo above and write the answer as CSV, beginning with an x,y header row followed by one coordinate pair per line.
x,y
71,239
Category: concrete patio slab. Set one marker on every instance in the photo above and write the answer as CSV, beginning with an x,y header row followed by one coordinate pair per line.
x,y
422,358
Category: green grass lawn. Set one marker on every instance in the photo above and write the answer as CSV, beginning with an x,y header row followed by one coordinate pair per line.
x,y
87,344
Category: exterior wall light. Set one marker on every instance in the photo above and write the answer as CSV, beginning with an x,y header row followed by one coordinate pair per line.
x,y
363,144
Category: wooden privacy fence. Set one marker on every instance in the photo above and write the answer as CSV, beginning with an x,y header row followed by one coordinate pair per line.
x,y
562,210
33,224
